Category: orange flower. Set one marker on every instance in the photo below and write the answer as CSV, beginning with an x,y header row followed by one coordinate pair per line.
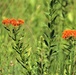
x,y
69,33
14,22
21,21
6,21
74,33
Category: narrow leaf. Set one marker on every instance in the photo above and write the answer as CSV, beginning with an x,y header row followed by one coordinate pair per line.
x,y
51,51
48,24
52,34
6,28
46,42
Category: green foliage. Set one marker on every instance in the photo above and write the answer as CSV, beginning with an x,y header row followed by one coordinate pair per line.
x,y
37,47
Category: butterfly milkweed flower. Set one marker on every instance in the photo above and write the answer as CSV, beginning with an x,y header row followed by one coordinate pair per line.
x,y
13,22
69,33
6,21
21,21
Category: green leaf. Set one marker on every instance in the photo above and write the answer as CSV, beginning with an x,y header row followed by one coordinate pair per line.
x,y
46,42
39,64
52,3
50,53
52,34
48,24
21,44
21,63
45,34
52,45
6,28
54,19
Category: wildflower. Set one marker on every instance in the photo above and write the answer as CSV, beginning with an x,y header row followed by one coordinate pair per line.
x,y
69,33
74,33
6,21
21,21
14,22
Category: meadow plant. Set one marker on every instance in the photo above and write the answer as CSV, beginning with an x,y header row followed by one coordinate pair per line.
x,y
69,51
55,52
13,28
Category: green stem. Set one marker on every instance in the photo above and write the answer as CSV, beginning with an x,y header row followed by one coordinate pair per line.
x,y
41,55
72,61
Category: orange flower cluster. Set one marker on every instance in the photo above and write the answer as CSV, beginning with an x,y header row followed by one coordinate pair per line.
x,y
13,21
69,33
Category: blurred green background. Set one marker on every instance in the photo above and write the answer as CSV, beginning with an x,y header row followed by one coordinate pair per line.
x,y
33,13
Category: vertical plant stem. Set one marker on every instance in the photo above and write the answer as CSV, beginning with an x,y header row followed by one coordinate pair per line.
x,y
13,72
61,61
72,59
41,56
0,64
67,69
60,55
